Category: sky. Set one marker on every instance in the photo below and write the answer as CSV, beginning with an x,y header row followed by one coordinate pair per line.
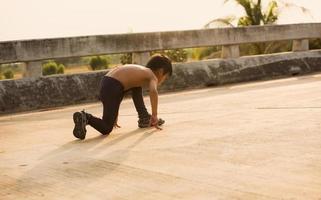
x,y
30,19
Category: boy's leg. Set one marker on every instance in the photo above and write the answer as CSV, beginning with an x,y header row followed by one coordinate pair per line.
x,y
137,96
104,125
143,115
111,95
110,112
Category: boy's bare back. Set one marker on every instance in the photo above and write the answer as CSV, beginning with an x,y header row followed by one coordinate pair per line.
x,y
132,75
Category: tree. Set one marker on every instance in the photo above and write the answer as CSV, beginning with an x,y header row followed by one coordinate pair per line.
x,y
176,55
99,62
315,44
126,58
8,74
255,14
51,67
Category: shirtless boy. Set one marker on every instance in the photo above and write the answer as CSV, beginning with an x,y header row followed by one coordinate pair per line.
x,y
113,86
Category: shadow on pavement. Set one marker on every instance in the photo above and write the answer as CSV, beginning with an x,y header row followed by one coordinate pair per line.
x,y
76,163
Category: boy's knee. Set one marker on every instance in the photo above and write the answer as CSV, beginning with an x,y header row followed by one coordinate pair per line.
x,y
107,130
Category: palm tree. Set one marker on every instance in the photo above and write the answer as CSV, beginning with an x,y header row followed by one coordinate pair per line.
x,y
256,15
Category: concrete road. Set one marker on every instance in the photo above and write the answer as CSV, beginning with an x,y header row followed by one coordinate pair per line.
x,y
250,141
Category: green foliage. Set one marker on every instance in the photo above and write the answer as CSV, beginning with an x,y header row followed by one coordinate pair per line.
x,y
99,62
1,70
14,67
51,67
255,14
126,58
8,74
210,52
61,69
176,55
315,44
271,15
74,61
205,53
265,48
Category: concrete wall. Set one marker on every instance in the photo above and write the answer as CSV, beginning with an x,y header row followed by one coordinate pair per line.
x,y
42,49
60,90
226,71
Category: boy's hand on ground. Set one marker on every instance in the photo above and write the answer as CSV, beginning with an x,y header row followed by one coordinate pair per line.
x,y
154,122
116,123
116,126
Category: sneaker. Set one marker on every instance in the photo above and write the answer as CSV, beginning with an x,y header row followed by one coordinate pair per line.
x,y
80,121
144,122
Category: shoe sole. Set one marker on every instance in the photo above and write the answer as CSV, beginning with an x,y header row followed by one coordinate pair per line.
x,y
160,122
79,130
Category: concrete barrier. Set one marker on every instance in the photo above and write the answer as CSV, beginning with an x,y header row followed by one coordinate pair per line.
x,y
225,71
33,52
60,90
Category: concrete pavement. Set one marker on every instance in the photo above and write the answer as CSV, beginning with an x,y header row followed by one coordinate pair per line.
x,y
249,141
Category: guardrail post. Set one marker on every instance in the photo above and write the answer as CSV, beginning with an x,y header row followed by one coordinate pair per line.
x,y
33,69
141,58
300,45
230,51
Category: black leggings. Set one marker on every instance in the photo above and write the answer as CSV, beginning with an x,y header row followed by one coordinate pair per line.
x,y
111,95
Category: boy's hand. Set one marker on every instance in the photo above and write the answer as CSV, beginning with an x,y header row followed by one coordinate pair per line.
x,y
116,123
154,122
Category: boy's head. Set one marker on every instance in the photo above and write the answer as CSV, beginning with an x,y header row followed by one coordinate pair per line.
x,y
161,66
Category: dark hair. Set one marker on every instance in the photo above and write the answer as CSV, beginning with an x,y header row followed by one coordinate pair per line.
x,y
160,62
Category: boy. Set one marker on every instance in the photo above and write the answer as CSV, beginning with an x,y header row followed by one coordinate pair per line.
x,y
113,86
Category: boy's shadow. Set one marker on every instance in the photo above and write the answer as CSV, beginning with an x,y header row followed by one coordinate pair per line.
x,y
78,158
82,146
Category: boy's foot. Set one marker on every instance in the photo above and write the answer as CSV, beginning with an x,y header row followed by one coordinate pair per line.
x,y
80,121
144,122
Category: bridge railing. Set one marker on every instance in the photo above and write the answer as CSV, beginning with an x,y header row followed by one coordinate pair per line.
x,y
32,52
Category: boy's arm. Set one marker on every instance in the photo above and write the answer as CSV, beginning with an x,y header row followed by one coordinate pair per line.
x,y
153,93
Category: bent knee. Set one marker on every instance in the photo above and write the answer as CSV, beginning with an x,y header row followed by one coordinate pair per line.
x,y
107,131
